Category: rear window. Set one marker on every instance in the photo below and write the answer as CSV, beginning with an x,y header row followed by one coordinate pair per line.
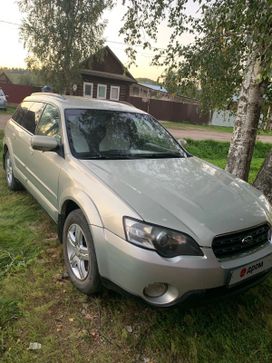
x,y
28,115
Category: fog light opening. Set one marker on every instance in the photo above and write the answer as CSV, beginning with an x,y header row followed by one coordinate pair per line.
x,y
155,290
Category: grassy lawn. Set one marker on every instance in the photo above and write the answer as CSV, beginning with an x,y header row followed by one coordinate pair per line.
x,y
10,110
188,126
38,305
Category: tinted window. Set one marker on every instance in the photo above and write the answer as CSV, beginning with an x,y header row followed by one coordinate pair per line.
x,y
21,111
28,114
49,122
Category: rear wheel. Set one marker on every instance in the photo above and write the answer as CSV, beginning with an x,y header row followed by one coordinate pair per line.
x,y
79,253
13,183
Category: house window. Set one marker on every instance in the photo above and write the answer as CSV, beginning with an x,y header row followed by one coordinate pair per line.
x,y
102,91
87,89
135,91
114,93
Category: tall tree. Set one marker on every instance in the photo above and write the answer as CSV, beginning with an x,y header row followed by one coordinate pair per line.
x,y
59,35
232,50
264,178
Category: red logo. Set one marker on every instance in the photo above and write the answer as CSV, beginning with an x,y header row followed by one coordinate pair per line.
x,y
243,272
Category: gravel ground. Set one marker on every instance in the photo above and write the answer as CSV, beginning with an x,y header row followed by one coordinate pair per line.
x,y
3,120
210,135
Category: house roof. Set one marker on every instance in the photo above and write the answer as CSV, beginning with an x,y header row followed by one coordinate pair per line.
x,y
119,77
155,87
118,60
4,78
106,64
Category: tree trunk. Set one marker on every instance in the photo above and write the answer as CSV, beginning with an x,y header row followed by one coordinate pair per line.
x,y
246,123
263,180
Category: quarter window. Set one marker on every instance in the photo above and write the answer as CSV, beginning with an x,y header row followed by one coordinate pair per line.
x,y
115,93
28,114
49,122
102,91
88,89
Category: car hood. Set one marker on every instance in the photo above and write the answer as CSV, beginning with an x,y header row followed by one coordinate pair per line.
x,y
185,194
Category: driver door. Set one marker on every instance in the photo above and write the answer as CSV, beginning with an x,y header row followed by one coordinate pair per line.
x,y
46,166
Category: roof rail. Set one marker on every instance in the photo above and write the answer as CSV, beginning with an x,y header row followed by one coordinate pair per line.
x,y
51,94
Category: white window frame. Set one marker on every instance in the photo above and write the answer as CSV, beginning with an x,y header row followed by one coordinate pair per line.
x,y
118,97
103,86
87,84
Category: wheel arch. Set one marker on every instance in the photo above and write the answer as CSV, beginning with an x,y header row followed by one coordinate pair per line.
x,y
5,149
87,207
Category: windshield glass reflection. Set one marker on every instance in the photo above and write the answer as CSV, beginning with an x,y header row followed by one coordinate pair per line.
x,y
103,134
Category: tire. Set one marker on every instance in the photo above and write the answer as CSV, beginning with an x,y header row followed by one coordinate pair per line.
x,y
12,182
79,254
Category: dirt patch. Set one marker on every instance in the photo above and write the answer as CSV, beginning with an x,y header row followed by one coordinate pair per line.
x,y
3,120
210,135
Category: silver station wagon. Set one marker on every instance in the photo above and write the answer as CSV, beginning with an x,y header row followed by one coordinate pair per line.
x,y
135,211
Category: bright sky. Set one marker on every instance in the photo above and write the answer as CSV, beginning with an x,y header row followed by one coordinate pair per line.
x,y
13,53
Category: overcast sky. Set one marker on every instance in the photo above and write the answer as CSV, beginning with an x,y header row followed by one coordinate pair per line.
x,y
13,54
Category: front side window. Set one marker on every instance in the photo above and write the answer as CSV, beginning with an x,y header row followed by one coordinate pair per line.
x,y
49,124
114,93
101,91
87,89
103,134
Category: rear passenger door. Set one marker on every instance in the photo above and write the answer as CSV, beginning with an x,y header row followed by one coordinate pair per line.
x,y
45,166
23,127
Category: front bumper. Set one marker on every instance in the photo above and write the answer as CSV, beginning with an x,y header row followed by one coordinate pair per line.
x,y
133,268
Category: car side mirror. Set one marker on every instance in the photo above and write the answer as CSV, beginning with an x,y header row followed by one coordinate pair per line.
x,y
182,142
44,143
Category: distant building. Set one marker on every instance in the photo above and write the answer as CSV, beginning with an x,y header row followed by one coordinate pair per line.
x,y
4,79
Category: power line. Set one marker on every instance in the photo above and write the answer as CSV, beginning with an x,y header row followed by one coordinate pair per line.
x,y
147,55
9,22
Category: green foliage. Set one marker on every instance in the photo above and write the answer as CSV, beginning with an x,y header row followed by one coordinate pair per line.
x,y
209,149
60,35
226,33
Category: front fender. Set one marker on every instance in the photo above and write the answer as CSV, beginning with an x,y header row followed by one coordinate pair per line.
x,y
84,202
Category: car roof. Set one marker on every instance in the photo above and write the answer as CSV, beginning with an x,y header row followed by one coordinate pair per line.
x,y
67,102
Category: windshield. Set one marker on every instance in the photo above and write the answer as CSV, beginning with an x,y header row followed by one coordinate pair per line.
x,y
102,134
1,92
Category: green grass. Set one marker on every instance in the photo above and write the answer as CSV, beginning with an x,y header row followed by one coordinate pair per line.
x,y
37,305
10,110
216,153
189,126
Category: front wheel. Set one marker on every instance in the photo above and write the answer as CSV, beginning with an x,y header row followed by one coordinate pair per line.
x,y
79,253
13,183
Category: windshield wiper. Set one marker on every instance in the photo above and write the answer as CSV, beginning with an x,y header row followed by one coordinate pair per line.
x,y
123,156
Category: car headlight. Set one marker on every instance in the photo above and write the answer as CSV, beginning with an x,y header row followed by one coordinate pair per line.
x,y
166,242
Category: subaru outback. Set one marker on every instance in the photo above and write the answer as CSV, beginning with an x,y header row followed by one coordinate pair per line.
x,y
134,209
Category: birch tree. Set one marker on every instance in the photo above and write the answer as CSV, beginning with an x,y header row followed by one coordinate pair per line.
x,y
231,55
59,35
264,178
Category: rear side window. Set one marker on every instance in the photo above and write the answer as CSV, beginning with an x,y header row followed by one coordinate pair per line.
x,y
28,115
20,113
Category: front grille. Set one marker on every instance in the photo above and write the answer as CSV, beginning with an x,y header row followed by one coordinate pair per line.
x,y
238,242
